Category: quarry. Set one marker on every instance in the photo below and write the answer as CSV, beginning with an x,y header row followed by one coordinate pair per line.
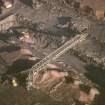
x,y
52,52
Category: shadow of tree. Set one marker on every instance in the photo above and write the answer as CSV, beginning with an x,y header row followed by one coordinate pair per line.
x,y
20,65
9,49
27,2
96,75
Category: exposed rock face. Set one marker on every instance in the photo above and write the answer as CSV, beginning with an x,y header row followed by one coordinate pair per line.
x,y
53,85
97,31
86,10
56,86
95,4
8,22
